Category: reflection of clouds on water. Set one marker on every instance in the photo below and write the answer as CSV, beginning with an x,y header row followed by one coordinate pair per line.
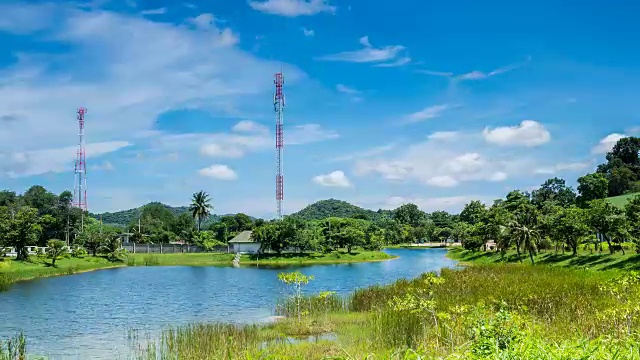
x,y
72,317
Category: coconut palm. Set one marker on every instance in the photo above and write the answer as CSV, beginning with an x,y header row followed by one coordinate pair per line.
x,y
200,207
525,236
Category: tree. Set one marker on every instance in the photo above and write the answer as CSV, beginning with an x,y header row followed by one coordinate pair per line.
x,y
112,247
296,280
526,235
23,230
55,249
621,180
570,225
200,207
555,191
441,219
243,222
632,211
183,226
607,220
591,187
473,212
409,214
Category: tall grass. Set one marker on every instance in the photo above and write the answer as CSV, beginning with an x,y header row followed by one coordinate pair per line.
x,y
14,348
6,282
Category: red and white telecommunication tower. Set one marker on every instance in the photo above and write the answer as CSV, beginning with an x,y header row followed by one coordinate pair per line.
x,y
278,106
80,187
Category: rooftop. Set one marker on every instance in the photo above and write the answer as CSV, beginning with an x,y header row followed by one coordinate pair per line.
x,y
243,237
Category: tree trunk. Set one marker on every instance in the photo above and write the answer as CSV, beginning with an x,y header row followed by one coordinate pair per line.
x,y
611,251
22,253
518,250
531,256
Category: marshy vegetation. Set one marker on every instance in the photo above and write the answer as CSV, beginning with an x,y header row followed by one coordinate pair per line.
x,y
482,312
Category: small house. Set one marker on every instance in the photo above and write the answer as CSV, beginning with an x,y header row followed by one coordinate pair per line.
x,y
243,243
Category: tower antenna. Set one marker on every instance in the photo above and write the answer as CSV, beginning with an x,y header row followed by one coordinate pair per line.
x,y
80,187
278,105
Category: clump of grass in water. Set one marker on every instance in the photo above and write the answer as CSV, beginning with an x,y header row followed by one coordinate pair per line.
x,y
131,261
6,282
72,269
14,348
151,260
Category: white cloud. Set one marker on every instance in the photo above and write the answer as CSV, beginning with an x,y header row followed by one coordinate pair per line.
x,y
222,150
430,112
366,54
479,75
527,133
435,162
144,69
607,143
435,73
26,19
442,181
333,179
400,62
377,150
207,22
573,166
250,126
37,162
158,11
219,172
293,8
308,32
105,166
444,135
309,133
347,90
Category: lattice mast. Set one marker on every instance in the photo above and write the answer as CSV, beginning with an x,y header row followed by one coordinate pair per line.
x,y
80,187
278,105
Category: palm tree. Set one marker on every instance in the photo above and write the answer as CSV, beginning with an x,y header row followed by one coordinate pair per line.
x,y
200,207
525,235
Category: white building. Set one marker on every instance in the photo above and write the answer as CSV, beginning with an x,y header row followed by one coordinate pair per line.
x,y
243,243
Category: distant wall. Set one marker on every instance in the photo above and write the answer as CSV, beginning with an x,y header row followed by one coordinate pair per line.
x,y
167,248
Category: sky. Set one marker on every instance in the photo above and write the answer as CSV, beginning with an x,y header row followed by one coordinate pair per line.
x,y
431,102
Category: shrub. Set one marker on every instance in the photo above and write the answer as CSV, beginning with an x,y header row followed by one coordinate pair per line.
x,y
79,252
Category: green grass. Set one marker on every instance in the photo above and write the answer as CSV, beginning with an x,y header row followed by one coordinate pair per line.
x,y
621,201
335,257
37,267
585,259
506,311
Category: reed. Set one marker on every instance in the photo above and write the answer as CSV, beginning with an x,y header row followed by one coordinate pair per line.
x,y
6,282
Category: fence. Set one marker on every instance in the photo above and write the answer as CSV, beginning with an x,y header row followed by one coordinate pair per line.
x,y
167,248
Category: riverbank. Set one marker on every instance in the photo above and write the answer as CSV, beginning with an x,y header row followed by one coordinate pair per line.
x,y
584,259
13,271
480,312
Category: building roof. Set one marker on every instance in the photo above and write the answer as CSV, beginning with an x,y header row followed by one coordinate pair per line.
x,y
243,237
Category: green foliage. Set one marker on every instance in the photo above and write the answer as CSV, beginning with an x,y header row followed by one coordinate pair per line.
x,y
591,187
295,280
79,252
200,207
20,228
55,249
207,240
335,208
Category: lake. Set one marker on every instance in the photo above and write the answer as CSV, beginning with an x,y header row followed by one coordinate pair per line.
x,y
89,315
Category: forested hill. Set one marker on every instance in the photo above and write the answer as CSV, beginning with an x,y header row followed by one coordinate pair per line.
x,y
337,208
124,217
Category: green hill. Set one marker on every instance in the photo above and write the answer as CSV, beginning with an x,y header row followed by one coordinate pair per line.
x,y
338,208
124,217
621,201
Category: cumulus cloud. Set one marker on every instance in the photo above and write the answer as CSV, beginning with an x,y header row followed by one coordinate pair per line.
x,y
367,54
607,143
293,8
249,126
438,162
219,172
528,133
334,179
308,133
308,32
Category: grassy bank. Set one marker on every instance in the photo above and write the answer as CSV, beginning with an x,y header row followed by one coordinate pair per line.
x,y
37,267
509,311
584,259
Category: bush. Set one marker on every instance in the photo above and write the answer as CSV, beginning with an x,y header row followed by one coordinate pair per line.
x,y
474,243
79,252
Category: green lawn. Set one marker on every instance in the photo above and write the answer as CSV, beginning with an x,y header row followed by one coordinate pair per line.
x,y
11,270
584,259
621,201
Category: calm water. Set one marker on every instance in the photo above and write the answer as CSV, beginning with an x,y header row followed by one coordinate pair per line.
x,y
88,315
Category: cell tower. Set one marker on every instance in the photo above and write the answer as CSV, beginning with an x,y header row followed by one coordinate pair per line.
x,y
278,106
80,187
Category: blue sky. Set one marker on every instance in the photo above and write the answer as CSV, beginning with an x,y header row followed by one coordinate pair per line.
x,y
436,103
